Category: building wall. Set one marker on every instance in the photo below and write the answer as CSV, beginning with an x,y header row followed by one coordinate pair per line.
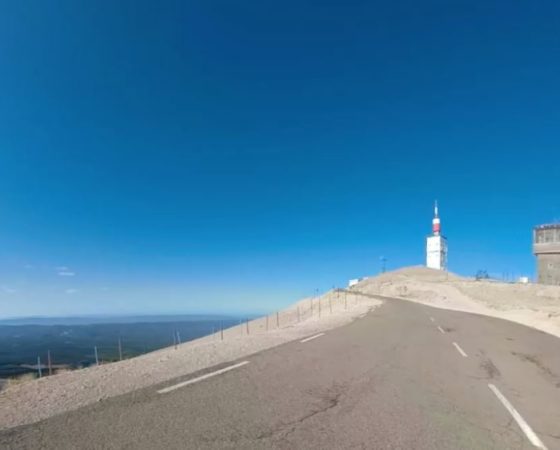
x,y
548,268
436,252
546,246
547,234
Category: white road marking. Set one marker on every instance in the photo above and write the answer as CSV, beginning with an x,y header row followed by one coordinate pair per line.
x,y
440,329
520,421
202,377
460,350
312,337
432,319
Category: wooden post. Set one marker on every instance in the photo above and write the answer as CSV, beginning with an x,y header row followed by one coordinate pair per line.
x,y
39,366
222,330
49,361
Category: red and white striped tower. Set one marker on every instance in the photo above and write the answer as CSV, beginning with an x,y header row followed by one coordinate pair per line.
x,y
436,224
436,245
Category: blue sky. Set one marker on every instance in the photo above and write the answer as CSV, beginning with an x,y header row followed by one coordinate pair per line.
x,y
203,156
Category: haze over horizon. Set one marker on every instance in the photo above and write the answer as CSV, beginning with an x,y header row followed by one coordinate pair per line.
x,y
210,157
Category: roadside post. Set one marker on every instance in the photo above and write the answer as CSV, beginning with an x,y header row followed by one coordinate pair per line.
x,y
120,349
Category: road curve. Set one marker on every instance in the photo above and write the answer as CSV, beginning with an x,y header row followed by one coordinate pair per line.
x,y
406,376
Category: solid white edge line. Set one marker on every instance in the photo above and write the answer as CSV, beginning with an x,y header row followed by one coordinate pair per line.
x,y
440,329
520,421
312,337
460,350
202,377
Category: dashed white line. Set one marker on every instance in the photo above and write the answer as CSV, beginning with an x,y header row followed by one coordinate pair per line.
x,y
460,350
440,329
520,421
202,377
312,337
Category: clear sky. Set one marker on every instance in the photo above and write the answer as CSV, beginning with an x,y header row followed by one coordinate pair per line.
x,y
219,156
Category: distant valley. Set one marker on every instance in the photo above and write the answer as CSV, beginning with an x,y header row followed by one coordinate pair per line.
x,y
71,340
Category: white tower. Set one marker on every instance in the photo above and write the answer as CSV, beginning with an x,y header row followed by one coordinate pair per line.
x,y
436,245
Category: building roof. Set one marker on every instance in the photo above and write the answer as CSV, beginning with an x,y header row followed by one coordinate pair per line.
x,y
548,226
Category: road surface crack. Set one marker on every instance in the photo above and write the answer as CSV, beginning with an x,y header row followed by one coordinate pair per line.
x,y
330,400
500,431
553,436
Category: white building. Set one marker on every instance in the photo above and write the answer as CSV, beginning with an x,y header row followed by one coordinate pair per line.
x,y
436,245
355,281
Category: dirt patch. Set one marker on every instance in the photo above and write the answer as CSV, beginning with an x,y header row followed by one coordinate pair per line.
x,y
546,371
491,370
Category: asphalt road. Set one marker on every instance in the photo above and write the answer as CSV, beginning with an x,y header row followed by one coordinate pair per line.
x,y
390,380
